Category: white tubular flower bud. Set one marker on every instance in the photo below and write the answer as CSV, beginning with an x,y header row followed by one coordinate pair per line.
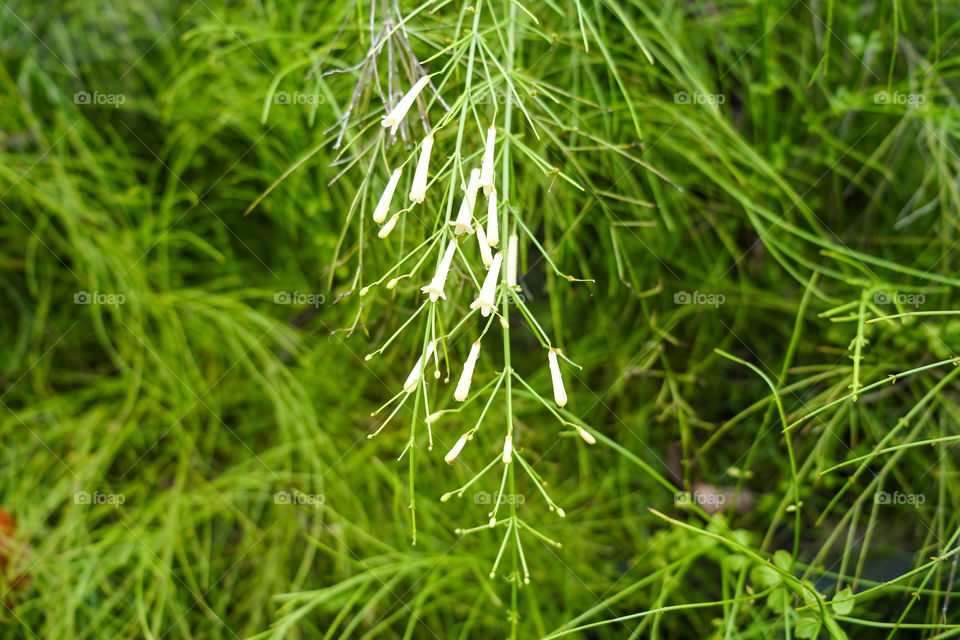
x,y
455,450
463,386
493,225
383,206
559,393
485,254
418,191
435,288
486,168
464,221
587,437
486,301
387,228
507,450
410,384
396,116
512,251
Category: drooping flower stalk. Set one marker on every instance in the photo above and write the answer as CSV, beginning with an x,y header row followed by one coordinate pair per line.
x,y
463,385
418,191
383,205
486,301
559,393
396,116
435,287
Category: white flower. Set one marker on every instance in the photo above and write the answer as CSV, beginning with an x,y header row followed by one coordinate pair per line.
x,y
559,393
463,223
435,288
485,254
587,437
387,228
395,117
411,382
463,386
455,450
507,450
512,260
383,206
419,189
486,301
486,169
493,230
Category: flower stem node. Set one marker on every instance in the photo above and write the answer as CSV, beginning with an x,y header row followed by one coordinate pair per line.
x,y
508,449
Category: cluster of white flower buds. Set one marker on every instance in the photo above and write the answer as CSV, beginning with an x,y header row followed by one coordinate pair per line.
x,y
487,237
